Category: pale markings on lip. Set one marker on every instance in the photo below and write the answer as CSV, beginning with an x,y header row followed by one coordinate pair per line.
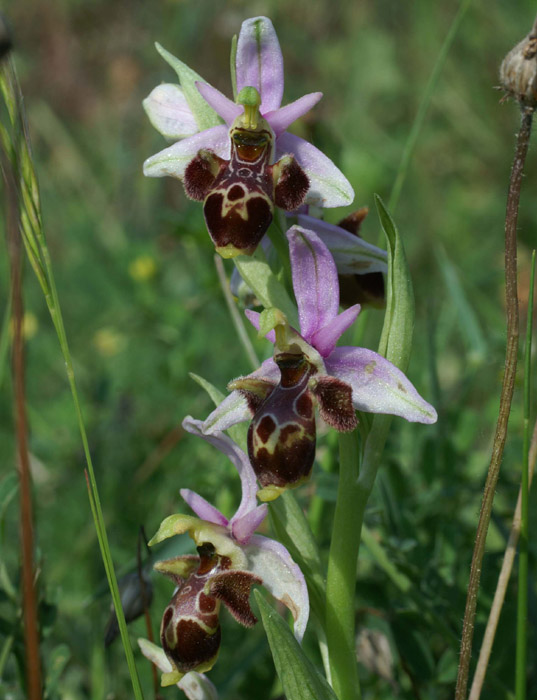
x,y
275,440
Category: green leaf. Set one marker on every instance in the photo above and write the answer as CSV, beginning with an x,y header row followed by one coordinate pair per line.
x,y
256,272
299,677
396,339
292,529
204,115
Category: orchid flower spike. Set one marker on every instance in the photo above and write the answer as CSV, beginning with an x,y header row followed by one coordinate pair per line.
x,y
308,368
242,168
231,558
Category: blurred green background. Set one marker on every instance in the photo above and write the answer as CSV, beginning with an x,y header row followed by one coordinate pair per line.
x,y
143,308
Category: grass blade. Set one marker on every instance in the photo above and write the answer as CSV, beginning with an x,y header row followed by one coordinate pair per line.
x,y
36,245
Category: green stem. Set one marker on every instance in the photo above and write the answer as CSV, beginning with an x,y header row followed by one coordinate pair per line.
x,y
341,577
235,315
522,611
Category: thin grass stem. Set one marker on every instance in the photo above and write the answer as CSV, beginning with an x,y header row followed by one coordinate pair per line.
x,y
503,582
419,119
36,245
522,602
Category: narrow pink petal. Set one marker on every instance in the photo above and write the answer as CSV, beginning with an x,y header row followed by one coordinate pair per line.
x,y
221,104
315,281
326,338
328,186
203,508
169,112
352,255
378,386
172,161
260,62
281,118
244,527
253,317
282,578
239,458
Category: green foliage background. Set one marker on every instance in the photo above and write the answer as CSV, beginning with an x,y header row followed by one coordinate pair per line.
x,y
143,308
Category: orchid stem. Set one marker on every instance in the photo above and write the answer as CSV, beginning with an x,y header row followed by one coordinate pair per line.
x,y
341,577
235,315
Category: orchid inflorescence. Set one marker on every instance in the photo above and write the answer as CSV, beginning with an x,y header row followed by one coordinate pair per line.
x,y
237,158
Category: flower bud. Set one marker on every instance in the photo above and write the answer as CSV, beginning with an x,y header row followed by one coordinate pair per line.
x,y
518,72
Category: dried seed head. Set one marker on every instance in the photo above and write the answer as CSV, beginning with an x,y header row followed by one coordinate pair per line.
x,y
518,72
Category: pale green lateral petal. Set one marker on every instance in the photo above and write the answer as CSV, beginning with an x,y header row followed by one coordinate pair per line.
x,y
201,531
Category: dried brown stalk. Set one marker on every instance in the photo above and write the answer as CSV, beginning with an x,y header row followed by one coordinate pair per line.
x,y
29,588
511,356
